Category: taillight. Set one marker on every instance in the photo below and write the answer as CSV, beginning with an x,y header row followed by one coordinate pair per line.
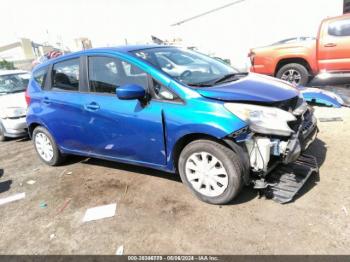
x,y
27,97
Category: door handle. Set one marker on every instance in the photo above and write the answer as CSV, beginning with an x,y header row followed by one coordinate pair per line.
x,y
46,100
93,106
330,45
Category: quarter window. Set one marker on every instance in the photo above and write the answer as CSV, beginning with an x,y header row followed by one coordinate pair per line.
x,y
40,76
107,73
339,28
65,75
160,92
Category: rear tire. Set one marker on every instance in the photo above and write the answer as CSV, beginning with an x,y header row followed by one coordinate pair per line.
x,y
211,171
46,147
294,73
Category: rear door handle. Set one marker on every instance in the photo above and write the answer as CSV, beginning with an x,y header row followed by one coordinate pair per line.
x,y
93,106
330,45
46,100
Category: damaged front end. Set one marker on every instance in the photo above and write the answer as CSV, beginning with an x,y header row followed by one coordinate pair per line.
x,y
274,144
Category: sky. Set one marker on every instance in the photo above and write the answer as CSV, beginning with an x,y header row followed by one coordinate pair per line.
x,y
228,33
103,21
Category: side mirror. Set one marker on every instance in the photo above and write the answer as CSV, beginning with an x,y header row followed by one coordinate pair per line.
x,y
130,91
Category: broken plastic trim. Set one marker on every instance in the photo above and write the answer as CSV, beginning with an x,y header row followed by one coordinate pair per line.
x,y
286,180
324,97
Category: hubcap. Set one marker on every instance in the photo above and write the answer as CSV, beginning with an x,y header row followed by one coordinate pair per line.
x,y
206,174
43,146
293,76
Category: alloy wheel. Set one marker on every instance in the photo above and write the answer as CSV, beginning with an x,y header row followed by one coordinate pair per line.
x,y
291,75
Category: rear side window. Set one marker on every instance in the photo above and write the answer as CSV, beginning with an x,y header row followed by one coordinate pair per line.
x,y
339,28
40,76
108,73
65,75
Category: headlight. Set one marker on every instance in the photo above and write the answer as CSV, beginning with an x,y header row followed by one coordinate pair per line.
x,y
11,112
263,119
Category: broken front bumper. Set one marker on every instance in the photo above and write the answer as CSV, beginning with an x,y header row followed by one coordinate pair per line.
x,y
278,166
301,140
286,180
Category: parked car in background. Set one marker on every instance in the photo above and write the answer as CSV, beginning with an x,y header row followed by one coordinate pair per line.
x,y
300,59
180,63
13,106
220,129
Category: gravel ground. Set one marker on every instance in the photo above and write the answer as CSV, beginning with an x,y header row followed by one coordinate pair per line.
x,y
156,214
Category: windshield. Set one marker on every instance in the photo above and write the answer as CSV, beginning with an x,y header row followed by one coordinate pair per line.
x,y
186,66
13,83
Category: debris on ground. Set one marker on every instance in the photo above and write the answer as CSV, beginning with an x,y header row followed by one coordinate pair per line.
x,y
120,251
125,191
65,204
69,173
322,97
12,198
100,212
330,119
345,210
43,205
31,182
52,236
64,171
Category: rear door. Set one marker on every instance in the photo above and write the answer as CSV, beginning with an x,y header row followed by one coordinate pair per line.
x,y
62,105
334,46
122,129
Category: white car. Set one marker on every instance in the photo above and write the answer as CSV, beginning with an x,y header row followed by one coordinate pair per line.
x,y
13,106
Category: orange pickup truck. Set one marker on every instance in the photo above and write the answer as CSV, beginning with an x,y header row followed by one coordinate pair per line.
x,y
298,60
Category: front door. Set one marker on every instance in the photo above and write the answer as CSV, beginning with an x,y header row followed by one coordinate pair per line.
x,y
334,46
122,129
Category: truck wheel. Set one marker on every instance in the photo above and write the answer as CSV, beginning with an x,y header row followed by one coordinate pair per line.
x,y
46,147
294,73
211,171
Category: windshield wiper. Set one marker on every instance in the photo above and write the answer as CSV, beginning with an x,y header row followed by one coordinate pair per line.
x,y
199,84
225,77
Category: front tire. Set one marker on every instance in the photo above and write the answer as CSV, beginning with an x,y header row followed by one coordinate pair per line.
x,y
46,147
294,73
211,171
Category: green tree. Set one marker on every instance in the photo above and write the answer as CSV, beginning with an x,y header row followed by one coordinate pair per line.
x,y
7,65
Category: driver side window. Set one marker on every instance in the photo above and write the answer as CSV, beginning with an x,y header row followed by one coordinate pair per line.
x,y
108,73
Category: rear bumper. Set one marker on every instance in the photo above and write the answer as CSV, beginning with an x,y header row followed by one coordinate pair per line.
x,y
14,127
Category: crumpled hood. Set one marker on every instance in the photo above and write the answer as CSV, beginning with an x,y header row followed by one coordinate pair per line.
x,y
252,88
13,100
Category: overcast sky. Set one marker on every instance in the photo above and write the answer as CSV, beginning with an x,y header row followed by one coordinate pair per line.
x,y
229,32
104,21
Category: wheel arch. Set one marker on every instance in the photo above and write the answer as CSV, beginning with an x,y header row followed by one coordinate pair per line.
x,y
297,60
31,128
186,139
227,142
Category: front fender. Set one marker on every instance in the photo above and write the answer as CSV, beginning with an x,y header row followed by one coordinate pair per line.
x,y
207,117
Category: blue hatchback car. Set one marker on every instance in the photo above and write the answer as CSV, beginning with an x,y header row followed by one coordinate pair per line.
x,y
170,109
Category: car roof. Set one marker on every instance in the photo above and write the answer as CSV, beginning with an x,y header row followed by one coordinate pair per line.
x,y
12,72
120,49
340,17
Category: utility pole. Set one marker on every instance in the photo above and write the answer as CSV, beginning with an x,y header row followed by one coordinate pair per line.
x,y
208,12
